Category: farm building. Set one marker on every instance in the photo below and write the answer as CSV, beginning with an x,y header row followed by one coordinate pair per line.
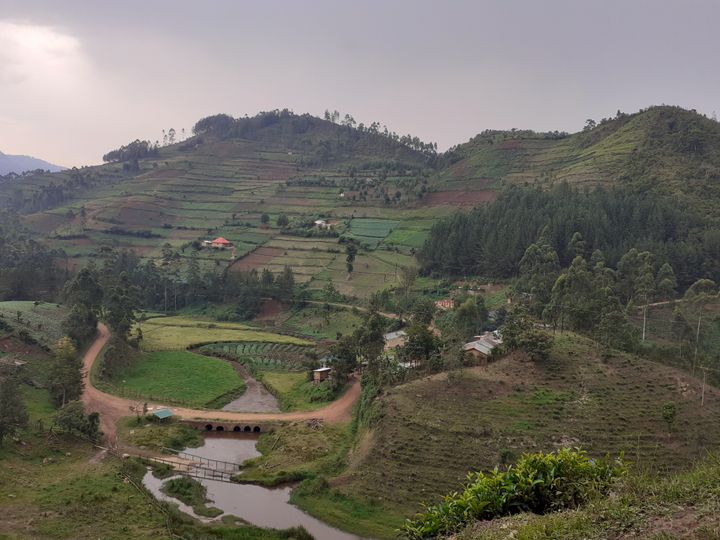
x,y
394,339
445,304
482,346
322,224
161,415
218,243
321,374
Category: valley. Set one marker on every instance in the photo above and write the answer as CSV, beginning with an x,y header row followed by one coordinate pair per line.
x,y
312,294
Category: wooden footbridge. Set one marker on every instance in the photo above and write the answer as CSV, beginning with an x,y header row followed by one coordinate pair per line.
x,y
197,466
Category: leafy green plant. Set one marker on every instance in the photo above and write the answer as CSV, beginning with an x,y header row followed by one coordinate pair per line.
x,y
538,483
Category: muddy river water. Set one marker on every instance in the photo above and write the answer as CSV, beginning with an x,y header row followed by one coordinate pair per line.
x,y
261,506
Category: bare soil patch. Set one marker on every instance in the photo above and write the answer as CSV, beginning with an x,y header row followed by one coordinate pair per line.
x,y
257,259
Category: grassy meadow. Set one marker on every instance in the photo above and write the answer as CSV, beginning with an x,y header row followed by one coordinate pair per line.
x,y
178,333
179,377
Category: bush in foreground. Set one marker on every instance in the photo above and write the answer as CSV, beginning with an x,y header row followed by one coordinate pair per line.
x,y
538,483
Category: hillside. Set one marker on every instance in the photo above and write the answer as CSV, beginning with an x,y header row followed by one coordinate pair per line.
x,y
430,433
212,185
672,150
380,191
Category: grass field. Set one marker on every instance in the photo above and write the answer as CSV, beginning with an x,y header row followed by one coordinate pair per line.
x,y
42,321
294,391
323,324
178,333
180,377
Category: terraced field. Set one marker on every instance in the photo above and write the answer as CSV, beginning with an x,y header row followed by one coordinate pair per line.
x,y
41,321
433,431
261,355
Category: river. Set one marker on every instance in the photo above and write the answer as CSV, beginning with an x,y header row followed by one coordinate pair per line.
x,y
261,506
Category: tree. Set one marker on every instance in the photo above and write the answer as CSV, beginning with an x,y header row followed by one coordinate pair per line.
x,y
13,414
669,414
408,276
264,219
350,251
539,269
120,308
519,333
282,220
71,417
84,289
80,325
286,283
469,317
66,373
420,344
697,296
666,283
577,246
422,310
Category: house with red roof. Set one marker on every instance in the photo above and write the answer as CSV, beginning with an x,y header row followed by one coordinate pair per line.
x,y
220,243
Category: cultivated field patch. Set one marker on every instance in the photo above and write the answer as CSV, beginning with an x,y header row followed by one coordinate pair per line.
x,y
178,333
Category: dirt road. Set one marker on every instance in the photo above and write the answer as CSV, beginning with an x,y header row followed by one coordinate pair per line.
x,y
113,408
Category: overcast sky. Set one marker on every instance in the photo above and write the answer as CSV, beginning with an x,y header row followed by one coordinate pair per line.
x,y
79,78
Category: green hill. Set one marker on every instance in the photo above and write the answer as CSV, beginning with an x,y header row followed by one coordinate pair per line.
x,y
383,191
429,433
221,184
672,150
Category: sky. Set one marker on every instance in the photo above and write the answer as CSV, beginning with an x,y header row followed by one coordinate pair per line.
x,y
79,78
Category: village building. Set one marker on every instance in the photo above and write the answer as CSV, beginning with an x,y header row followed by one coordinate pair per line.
x,y
321,374
481,347
322,224
394,339
445,304
218,243
162,415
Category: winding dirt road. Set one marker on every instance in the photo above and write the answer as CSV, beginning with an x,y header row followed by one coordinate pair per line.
x,y
113,408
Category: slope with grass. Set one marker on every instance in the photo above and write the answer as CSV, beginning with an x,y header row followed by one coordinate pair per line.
x,y
429,433
40,321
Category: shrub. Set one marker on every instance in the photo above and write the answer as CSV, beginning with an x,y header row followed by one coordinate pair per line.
x,y
538,483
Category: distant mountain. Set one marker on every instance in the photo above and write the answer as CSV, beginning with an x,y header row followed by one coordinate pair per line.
x,y
21,164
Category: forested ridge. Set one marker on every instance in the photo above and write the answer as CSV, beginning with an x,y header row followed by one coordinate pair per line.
x,y
491,240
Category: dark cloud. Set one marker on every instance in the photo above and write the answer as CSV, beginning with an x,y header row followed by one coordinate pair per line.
x,y
441,70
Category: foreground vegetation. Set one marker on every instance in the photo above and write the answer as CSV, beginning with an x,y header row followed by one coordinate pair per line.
x,y
685,505
538,483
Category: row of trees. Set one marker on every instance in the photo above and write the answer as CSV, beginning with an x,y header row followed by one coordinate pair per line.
x,y
591,296
492,240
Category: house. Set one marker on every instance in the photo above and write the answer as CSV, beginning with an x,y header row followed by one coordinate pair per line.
x,y
445,304
394,339
321,374
162,414
220,243
482,346
322,224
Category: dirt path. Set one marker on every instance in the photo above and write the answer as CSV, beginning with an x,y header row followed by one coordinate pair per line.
x,y
255,398
113,408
